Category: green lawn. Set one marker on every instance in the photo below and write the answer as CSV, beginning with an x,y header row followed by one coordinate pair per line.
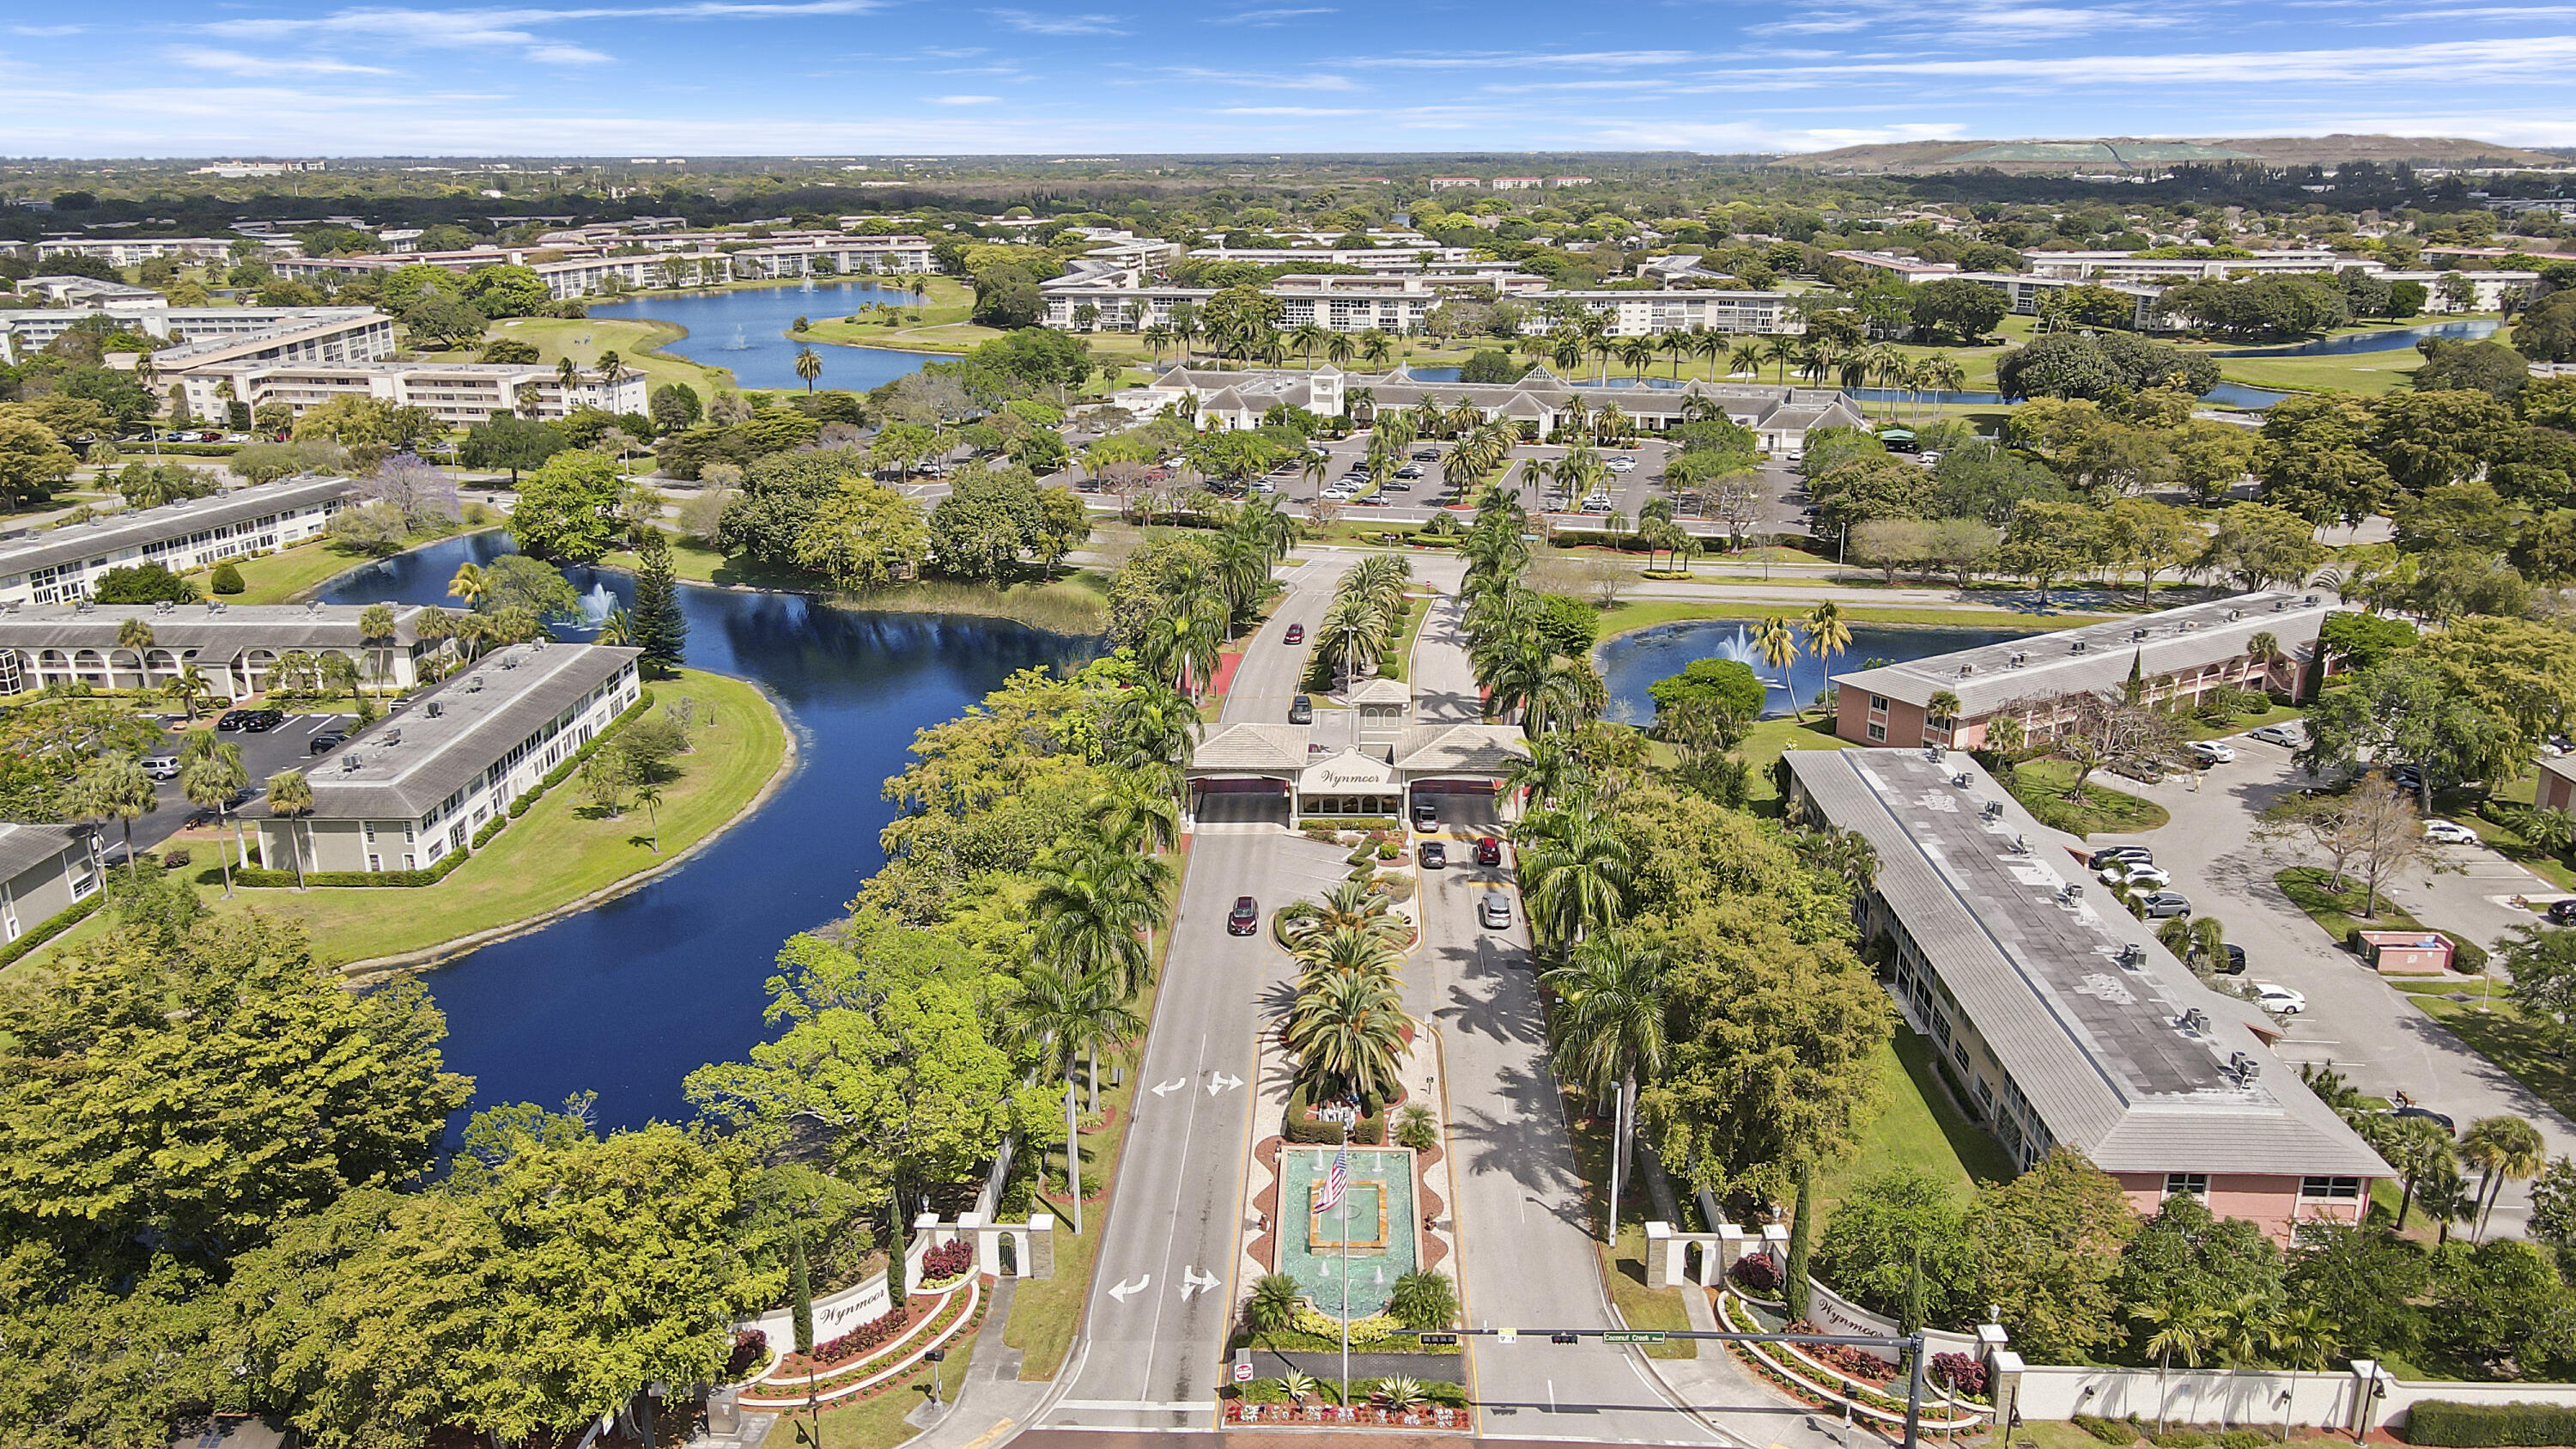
x,y
1917,1126
560,849
2366,373
1770,738
2503,1035
879,1423
633,339
2041,786
943,326
2311,889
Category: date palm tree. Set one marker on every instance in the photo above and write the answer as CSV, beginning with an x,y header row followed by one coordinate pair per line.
x,y
809,366
290,798
1610,1031
1356,627
1070,1014
1349,1033
1355,906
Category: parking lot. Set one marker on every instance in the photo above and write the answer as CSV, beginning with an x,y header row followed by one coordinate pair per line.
x,y
283,748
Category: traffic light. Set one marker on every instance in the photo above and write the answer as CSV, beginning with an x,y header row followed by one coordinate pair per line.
x,y
1564,1336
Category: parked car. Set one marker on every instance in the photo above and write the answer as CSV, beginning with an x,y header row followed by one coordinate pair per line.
x,y
1435,855
2428,1114
2211,752
1494,911
2407,777
1426,815
2279,1000
1409,470
2137,875
261,721
1622,463
2449,832
2161,905
2286,736
2562,913
2234,962
1245,918
1301,709
1489,851
2135,854
1426,455
161,767
327,741
1296,635
231,719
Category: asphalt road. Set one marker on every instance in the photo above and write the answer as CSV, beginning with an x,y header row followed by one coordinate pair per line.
x,y
263,755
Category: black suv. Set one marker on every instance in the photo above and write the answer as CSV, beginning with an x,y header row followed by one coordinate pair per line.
x,y
327,741
261,721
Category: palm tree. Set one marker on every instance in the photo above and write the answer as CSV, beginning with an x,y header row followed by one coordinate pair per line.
x,y
1357,628
1376,347
2183,1329
808,366
1071,1013
210,780
1306,337
135,636
114,787
1943,708
1575,870
1272,1307
1827,635
1356,906
1778,643
1158,336
376,632
189,688
1746,358
612,366
1610,1030
2304,1338
470,585
1552,770
290,797
2500,1148
649,795
1780,352
1349,1034
1133,810
567,376
1339,348
1096,906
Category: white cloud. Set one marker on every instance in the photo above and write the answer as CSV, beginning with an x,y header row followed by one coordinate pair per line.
x,y
45,31
1262,79
1270,17
1037,24
234,62
507,29
963,100
1742,136
1287,111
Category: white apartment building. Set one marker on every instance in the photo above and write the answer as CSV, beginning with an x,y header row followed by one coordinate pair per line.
x,y
62,564
1457,183
1653,313
90,292
1904,269
459,394
2130,267
2023,294
135,251
335,336
1517,183
234,646
583,270
1376,259
404,795
2489,289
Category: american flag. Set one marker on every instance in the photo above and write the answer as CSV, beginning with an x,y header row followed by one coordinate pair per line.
x,y
1336,1182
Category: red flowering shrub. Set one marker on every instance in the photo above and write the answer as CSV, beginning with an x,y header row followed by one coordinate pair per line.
x,y
953,1259
862,1340
1754,1271
750,1351
1962,1372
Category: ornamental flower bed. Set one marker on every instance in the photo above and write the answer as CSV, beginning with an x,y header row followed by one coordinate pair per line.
x,y
1964,1373
839,1392
750,1351
856,1344
947,1263
1363,1416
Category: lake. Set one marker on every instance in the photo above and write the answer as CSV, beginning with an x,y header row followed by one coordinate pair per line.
x,y
746,330
1631,663
629,998
2387,339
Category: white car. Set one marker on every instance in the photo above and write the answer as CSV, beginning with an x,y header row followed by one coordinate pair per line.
x,y
2279,1000
2138,877
1622,464
2212,751
2449,832
2286,736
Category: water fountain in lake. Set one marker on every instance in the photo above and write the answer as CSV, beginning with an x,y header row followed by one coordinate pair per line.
x,y
595,606
1740,648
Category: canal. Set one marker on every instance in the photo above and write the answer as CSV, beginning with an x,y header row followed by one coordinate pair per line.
x,y
629,998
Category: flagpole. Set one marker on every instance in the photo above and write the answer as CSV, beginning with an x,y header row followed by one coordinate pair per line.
x,y
1345,1206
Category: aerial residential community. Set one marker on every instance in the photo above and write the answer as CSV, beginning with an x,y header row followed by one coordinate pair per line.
x,y
1088,729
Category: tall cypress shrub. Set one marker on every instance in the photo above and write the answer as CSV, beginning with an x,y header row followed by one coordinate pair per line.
x,y
656,624
803,1283
1802,1237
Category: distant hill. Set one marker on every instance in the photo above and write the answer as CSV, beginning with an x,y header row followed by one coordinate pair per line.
x,y
2113,154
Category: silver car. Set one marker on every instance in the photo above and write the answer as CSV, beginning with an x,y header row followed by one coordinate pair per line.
x,y
1494,911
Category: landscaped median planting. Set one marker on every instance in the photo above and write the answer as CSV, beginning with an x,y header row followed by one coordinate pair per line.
x,y
1395,1403
872,1357
1851,1379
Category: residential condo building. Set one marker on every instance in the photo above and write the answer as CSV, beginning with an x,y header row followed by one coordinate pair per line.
x,y
45,870
61,564
236,647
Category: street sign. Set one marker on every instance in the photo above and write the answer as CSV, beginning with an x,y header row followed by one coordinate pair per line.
x,y
1243,1373
1633,1335
1437,1340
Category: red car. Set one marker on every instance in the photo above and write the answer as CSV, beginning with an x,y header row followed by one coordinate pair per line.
x,y
1296,634
1245,918
1489,851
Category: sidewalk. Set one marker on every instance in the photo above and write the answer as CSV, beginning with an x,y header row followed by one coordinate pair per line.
x,y
991,1403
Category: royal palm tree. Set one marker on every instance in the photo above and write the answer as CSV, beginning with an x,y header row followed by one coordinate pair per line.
x,y
1550,773
1096,906
1070,1013
1827,635
1575,870
114,787
1158,336
2501,1149
1135,810
290,798
1610,1030
1151,729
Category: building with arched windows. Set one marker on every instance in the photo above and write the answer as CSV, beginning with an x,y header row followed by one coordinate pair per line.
x,y
238,649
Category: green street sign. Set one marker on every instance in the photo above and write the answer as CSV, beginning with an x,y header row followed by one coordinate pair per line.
x,y
1633,1335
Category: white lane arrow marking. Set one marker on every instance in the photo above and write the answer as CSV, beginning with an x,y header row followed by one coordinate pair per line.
x,y
1222,1083
1166,1089
1194,1281
1122,1291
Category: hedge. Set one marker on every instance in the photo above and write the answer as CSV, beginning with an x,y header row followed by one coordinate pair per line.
x,y
52,926
1369,1131
270,879
2448,1422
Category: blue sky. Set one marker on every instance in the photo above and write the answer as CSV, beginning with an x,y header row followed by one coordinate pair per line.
x,y
827,77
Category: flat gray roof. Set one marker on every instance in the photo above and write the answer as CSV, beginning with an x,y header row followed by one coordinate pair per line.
x,y
24,847
214,625
2128,1061
136,527
414,760
2096,657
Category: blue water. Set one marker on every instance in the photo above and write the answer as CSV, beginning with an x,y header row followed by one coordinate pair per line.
x,y
2394,339
746,330
629,998
1631,663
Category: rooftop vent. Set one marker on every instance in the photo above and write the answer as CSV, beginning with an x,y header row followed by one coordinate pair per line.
x,y
1991,810
2193,1020
2079,646
1966,669
2133,955
1931,754
217,606
474,684
350,762
2137,633
2019,657
2190,624
82,606
2071,892
436,709
389,737
2279,604
2246,1067
2235,614
2310,601
1960,779
509,661
2021,845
